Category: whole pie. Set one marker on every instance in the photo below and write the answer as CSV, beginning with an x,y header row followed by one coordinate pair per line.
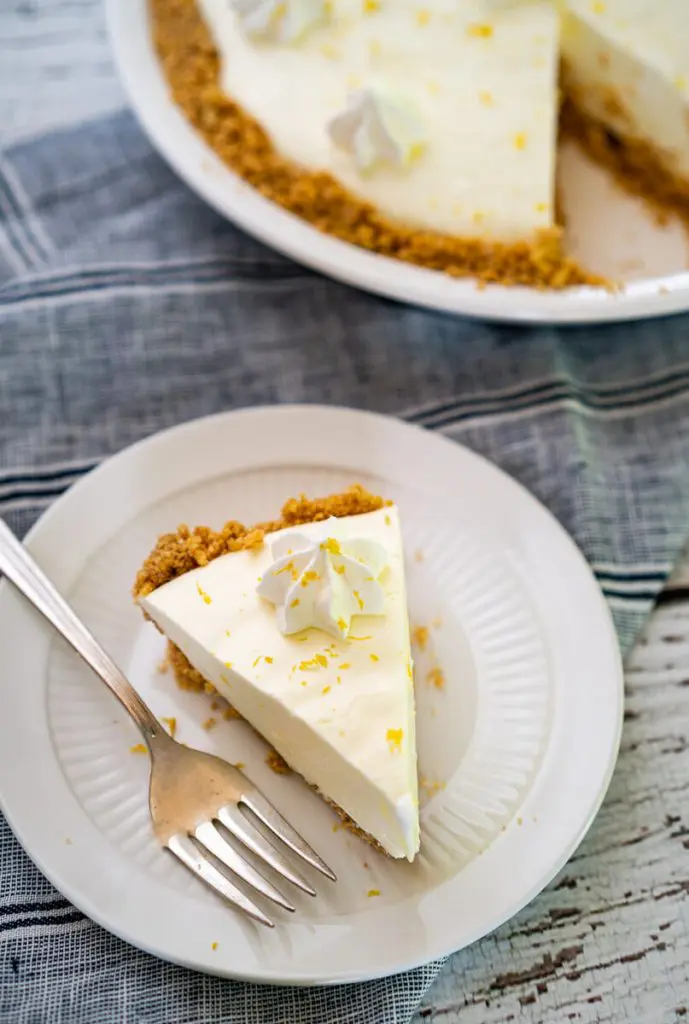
x,y
301,624
429,131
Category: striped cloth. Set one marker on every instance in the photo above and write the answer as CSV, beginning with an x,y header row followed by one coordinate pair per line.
x,y
126,306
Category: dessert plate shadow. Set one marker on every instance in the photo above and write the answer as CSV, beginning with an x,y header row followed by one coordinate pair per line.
x,y
518,730
609,232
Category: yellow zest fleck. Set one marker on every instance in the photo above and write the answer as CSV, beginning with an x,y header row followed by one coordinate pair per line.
x,y
138,748
269,660
339,569
318,661
336,827
410,670
358,600
294,603
227,633
680,81
486,98
359,637
210,723
480,31
228,664
339,680
326,689
374,657
370,6
239,765
394,738
345,665
286,568
304,683
419,636
342,625
541,207
423,17
597,7
388,521
309,577
373,892
214,705
206,597
214,946
171,724
520,140
435,677
331,545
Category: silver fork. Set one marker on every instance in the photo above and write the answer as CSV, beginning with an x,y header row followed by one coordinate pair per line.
x,y
191,793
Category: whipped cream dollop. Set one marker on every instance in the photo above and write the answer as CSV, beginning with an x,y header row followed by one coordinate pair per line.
x,y
279,21
377,127
322,581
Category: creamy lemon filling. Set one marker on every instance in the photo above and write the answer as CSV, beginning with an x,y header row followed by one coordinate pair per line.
x,y
338,706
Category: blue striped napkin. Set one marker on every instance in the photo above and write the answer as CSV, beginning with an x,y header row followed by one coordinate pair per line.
x,y
126,306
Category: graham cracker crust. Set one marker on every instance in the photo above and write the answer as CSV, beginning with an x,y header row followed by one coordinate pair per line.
x,y
637,168
191,66
177,553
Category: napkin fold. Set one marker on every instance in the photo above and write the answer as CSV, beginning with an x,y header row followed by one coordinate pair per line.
x,y
126,306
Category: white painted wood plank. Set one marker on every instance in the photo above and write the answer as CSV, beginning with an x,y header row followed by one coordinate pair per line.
x,y
55,65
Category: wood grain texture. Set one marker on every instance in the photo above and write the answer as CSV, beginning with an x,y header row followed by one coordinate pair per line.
x,y
608,941
55,65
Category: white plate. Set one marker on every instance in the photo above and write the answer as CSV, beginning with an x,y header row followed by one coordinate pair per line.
x,y
610,232
523,735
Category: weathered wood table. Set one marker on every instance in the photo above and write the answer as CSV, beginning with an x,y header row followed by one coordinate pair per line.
x,y
609,940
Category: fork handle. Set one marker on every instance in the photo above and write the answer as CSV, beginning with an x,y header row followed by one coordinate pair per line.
x,y
17,565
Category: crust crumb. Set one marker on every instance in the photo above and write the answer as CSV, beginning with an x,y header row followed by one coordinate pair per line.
x,y
277,764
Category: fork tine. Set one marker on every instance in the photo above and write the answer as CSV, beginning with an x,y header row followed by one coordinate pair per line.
x,y
209,837
238,824
273,820
185,850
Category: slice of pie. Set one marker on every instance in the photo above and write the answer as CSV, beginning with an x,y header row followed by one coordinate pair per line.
x,y
302,625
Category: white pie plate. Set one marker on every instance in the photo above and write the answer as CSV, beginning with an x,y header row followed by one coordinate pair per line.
x,y
524,734
609,232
